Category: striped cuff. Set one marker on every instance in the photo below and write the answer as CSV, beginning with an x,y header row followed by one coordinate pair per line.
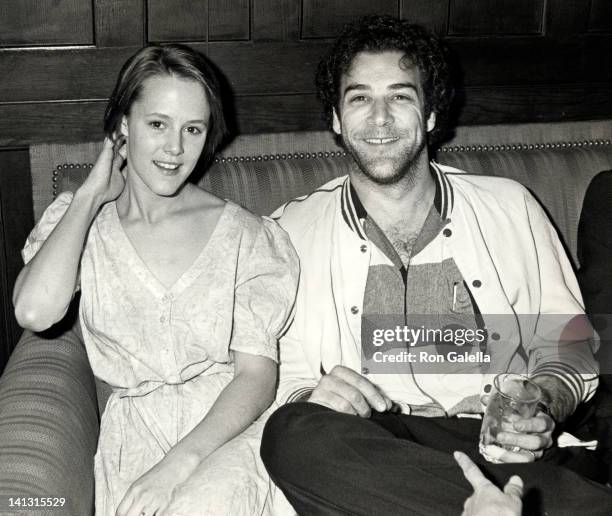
x,y
300,395
570,377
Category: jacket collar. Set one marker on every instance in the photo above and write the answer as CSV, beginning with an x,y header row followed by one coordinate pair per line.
x,y
353,210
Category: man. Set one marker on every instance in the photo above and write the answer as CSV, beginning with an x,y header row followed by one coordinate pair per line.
x,y
405,239
595,279
487,499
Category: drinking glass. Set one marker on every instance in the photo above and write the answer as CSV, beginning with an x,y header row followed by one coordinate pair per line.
x,y
514,397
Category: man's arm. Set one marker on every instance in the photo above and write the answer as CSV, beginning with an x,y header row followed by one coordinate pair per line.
x,y
342,389
557,398
296,379
561,351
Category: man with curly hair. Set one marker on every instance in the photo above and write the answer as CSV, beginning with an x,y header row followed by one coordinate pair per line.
x,y
402,239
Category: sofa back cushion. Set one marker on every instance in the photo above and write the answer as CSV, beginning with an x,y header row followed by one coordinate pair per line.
x,y
261,172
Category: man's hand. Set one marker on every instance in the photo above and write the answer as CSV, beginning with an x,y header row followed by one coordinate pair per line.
x,y
531,437
487,498
344,390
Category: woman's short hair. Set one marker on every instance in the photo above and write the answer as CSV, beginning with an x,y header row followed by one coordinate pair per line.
x,y
173,60
377,33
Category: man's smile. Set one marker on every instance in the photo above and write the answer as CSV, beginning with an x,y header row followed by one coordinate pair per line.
x,y
381,141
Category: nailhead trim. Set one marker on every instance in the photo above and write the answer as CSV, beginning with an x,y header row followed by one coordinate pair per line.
x,y
524,146
274,157
453,148
65,166
338,154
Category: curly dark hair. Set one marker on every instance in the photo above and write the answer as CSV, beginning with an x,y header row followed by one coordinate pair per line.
x,y
377,33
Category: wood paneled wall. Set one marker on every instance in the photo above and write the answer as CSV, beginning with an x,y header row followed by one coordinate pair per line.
x,y
522,60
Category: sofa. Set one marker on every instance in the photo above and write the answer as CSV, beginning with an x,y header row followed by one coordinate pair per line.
x,y
50,403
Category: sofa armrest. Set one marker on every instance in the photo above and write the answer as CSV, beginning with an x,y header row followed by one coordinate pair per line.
x,y
49,422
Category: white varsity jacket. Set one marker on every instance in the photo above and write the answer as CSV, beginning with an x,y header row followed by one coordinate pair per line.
x,y
506,250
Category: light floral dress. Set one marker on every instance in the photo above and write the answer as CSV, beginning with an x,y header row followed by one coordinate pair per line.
x,y
167,353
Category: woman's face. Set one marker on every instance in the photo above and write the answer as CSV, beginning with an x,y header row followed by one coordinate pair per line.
x,y
165,132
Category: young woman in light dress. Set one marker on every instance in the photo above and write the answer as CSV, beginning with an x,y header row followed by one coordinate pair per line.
x,y
183,296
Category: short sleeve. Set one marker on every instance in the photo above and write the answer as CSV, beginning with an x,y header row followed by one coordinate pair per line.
x,y
266,286
52,215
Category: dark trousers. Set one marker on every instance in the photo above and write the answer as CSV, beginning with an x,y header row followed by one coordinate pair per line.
x,y
331,463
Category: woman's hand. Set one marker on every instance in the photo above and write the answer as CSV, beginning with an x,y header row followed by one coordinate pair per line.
x,y
487,498
46,285
151,493
243,400
105,182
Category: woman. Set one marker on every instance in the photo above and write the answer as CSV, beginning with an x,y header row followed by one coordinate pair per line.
x,y
183,296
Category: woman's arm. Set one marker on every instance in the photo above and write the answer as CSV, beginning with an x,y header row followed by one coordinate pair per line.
x,y
243,400
45,286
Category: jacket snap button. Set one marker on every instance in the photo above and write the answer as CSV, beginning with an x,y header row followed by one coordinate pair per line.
x,y
363,248
354,310
477,283
447,232
495,336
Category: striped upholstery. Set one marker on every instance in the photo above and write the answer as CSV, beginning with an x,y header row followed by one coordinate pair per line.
x,y
48,419
262,186
62,167
48,423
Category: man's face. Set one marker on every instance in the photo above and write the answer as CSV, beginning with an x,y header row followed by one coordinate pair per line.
x,y
381,116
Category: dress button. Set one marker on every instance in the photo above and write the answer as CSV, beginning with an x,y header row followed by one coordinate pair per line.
x,y
363,248
354,310
477,283
495,336
447,232
365,370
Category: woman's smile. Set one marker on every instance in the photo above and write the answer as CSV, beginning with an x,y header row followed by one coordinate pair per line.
x,y
167,166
